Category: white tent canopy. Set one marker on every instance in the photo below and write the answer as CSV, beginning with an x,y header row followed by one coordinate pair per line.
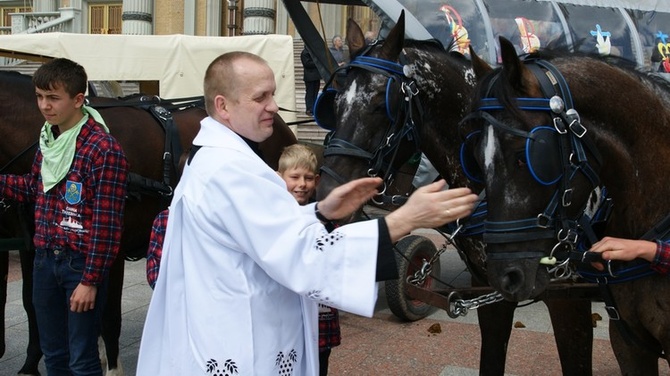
x,y
178,62
644,5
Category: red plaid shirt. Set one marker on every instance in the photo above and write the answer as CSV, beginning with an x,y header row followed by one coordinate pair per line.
x,y
661,262
84,211
156,246
329,327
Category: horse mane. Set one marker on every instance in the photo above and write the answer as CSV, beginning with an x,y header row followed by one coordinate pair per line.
x,y
506,94
435,46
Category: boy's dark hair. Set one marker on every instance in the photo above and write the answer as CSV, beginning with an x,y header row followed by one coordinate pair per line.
x,y
61,71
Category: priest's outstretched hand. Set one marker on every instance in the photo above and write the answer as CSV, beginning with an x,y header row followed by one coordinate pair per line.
x,y
428,207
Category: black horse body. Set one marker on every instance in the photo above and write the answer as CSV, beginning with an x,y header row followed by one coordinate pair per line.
x,y
626,114
444,83
143,137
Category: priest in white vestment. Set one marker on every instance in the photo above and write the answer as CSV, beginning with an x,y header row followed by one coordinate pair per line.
x,y
244,265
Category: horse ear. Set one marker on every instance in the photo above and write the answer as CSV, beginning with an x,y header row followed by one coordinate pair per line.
x,y
394,40
512,66
355,38
480,66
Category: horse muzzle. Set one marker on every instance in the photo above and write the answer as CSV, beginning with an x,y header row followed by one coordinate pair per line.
x,y
517,280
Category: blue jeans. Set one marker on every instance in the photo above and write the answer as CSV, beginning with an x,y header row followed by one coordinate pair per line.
x,y
69,340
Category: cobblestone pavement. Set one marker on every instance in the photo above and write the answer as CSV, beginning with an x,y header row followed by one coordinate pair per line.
x,y
382,345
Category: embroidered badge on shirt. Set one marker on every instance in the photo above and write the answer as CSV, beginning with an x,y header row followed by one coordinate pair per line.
x,y
72,192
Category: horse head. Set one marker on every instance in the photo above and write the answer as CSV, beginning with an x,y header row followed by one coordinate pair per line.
x,y
541,170
397,96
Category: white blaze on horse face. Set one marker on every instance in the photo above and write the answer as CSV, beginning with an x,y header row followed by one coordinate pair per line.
x,y
489,153
359,96
512,196
349,97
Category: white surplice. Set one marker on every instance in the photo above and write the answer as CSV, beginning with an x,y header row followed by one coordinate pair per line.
x,y
243,269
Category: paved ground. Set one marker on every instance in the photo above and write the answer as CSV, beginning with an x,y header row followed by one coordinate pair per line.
x,y
382,345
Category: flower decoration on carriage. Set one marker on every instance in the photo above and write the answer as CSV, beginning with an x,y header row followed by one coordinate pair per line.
x,y
603,42
458,31
664,51
530,42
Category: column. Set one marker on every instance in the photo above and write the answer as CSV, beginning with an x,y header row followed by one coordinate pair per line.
x,y
45,6
137,17
259,17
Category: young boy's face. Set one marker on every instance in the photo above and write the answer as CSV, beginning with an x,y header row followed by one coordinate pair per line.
x,y
301,183
58,108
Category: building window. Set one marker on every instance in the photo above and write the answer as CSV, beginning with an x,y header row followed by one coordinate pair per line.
x,y
6,21
105,18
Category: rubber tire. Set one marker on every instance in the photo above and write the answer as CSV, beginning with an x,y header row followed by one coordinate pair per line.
x,y
415,248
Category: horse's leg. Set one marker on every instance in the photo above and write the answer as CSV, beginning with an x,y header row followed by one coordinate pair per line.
x,y
111,317
34,353
573,332
633,360
495,327
4,274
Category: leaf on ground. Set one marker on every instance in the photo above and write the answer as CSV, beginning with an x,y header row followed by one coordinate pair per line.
x,y
595,317
435,328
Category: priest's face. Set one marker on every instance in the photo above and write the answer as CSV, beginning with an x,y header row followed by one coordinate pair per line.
x,y
251,109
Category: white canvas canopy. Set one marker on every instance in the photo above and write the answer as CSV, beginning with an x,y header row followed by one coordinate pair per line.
x,y
644,5
178,62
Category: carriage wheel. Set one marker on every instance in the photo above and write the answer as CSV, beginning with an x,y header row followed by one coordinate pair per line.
x,y
415,249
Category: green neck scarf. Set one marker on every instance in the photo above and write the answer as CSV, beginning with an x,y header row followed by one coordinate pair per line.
x,y
58,153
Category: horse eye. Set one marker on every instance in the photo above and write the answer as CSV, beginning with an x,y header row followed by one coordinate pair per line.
x,y
521,159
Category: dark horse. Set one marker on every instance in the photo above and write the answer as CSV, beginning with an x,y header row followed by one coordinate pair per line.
x,y
143,137
552,127
402,94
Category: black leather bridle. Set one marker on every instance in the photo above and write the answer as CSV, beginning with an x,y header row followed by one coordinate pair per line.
x,y
402,116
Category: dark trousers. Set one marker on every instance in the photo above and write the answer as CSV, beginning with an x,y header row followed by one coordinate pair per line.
x,y
69,340
323,362
311,91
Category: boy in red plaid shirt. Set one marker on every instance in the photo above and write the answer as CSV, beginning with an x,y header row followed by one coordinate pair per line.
x,y
78,186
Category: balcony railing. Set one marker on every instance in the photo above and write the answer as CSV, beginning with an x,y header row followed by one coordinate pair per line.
x,y
43,22
67,20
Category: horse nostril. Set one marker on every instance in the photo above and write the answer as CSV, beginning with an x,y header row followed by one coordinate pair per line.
x,y
512,281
